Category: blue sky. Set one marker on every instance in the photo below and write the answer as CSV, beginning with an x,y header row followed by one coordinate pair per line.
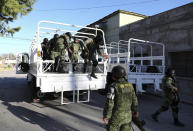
x,y
79,12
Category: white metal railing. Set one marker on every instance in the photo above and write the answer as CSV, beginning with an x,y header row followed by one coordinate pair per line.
x,y
124,52
47,28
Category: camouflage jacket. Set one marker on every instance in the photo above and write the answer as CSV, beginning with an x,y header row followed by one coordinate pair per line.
x,y
122,102
52,44
168,85
92,46
75,47
62,42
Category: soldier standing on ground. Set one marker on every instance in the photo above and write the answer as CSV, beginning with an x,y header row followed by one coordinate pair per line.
x,y
121,102
171,97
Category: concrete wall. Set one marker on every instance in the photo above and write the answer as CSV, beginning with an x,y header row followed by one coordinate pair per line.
x,y
116,21
174,28
112,29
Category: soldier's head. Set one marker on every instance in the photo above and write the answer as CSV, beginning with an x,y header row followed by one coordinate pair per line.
x,y
75,39
170,72
45,40
99,39
69,34
56,36
118,72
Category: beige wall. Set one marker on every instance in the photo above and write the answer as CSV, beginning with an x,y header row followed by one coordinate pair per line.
x,y
115,22
126,19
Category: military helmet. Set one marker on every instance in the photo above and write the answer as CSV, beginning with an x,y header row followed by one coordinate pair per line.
x,y
75,40
170,72
45,40
69,34
99,38
56,36
118,72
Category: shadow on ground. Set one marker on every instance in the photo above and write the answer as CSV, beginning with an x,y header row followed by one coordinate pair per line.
x,y
45,122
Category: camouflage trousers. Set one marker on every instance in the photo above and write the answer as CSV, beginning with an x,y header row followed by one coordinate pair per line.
x,y
59,54
169,103
74,60
120,122
57,57
88,60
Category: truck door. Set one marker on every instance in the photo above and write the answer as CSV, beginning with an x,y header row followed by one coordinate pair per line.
x,y
22,63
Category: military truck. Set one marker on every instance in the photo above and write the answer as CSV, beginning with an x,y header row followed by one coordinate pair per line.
x,y
143,60
45,81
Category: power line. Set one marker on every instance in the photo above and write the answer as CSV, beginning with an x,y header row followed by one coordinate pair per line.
x,y
18,38
99,7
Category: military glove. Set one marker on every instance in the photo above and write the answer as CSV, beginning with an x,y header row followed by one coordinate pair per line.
x,y
70,51
136,114
175,89
105,120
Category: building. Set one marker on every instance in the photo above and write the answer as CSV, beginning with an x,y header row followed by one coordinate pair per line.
x,y
112,23
174,28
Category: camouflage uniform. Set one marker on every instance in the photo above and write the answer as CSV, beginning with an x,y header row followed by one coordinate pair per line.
x,y
45,50
62,44
171,97
90,54
75,47
59,53
52,45
120,104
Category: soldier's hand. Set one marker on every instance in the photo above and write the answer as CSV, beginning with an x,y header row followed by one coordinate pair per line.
x,y
105,120
106,56
175,89
87,50
70,51
136,114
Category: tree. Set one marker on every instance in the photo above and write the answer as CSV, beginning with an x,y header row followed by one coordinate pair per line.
x,y
10,56
10,10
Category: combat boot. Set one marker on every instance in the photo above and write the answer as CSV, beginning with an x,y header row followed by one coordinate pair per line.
x,y
154,117
74,67
93,72
93,75
178,123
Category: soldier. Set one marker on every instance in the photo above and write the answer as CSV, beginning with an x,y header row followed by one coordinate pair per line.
x,y
121,102
44,45
59,53
89,54
52,43
171,97
75,47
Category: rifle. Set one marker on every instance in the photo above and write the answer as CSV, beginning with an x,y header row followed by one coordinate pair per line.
x,y
175,93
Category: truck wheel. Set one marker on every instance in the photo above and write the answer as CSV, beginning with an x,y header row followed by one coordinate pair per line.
x,y
39,94
56,95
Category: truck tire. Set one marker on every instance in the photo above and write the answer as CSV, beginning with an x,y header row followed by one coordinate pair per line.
x,y
39,94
